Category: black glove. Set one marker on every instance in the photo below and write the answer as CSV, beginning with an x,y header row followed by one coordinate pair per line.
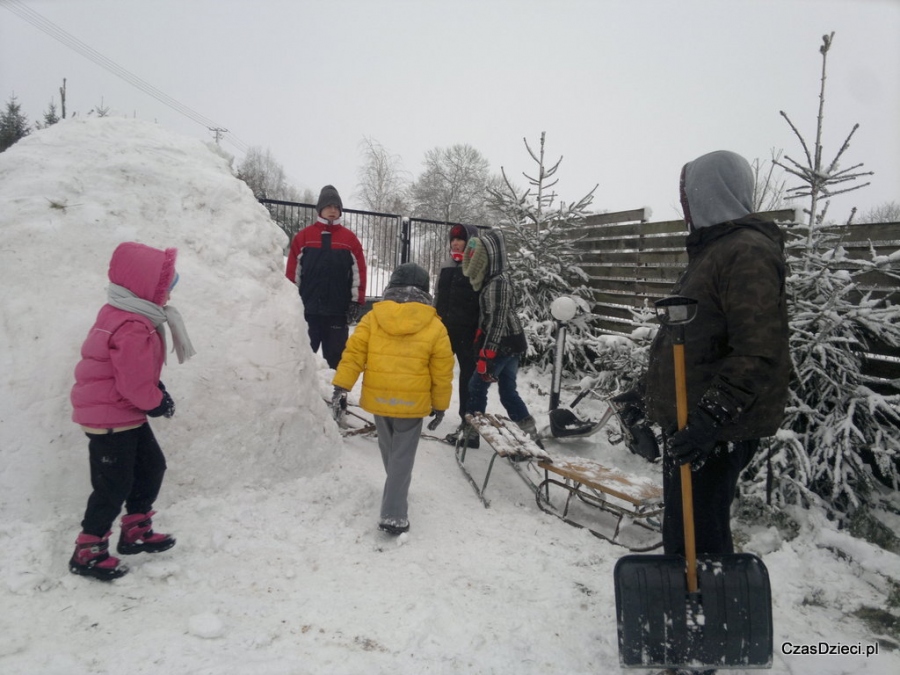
x,y
166,407
338,403
438,418
630,406
354,312
694,443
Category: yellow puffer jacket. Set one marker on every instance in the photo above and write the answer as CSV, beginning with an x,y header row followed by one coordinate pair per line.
x,y
405,355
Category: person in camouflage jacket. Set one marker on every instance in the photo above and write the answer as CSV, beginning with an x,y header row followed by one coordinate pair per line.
x,y
737,362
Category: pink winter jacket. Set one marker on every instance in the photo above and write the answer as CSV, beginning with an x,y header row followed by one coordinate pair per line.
x,y
122,357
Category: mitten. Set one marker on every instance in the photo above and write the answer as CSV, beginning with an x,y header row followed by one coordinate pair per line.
x,y
338,403
696,440
485,364
166,407
438,418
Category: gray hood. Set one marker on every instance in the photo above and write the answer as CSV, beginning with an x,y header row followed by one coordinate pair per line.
x,y
716,188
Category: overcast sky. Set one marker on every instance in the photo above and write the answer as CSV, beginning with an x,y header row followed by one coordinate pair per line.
x,y
626,91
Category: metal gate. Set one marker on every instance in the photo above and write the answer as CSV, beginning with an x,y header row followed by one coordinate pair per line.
x,y
388,239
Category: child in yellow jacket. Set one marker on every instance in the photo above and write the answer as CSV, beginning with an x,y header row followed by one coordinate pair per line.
x,y
404,353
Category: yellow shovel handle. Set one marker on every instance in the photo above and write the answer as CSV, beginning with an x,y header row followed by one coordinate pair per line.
x,y
687,491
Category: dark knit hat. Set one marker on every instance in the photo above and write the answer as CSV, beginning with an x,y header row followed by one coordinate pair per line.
x,y
329,197
459,232
410,274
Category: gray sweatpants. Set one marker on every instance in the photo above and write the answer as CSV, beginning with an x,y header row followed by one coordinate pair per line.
x,y
398,439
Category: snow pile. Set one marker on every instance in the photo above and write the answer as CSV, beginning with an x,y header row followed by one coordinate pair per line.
x,y
69,195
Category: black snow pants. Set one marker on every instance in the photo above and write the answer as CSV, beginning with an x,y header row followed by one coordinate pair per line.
x,y
714,486
126,467
463,346
331,332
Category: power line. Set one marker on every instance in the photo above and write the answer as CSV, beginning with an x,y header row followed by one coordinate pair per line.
x,y
43,24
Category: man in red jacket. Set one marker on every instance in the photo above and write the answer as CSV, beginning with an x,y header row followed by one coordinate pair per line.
x,y
326,262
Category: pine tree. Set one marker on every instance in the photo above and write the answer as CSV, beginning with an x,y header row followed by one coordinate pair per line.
x,y
544,262
840,433
13,124
50,116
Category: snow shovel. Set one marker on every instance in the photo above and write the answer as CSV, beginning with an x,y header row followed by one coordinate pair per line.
x,y
677,612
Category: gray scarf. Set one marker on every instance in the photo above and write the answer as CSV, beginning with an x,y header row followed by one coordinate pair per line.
x,y
121,298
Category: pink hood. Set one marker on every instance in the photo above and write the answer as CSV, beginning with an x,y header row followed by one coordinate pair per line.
x,y
145,271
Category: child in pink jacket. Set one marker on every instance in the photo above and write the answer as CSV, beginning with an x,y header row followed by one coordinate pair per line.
x,y
116,388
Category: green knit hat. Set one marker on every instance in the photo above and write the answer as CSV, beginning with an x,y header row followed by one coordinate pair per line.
x,y
475,262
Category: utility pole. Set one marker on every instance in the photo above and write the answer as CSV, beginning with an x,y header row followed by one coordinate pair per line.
x,y
218,131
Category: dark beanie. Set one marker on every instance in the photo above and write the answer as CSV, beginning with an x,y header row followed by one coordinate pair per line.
x,y
329,197
459,232
410,274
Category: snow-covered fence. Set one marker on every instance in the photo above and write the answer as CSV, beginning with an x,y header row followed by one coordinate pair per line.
x,y
632,262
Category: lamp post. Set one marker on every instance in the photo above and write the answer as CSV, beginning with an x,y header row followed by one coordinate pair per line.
x,y
563,310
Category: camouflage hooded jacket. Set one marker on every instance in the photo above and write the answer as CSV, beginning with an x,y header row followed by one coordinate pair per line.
x,y
737,360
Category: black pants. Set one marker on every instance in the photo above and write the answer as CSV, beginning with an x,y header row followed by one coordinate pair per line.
x,y
461,342
713,486
126,467
331,333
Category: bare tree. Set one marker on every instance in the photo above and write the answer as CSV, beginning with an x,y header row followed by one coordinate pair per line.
x,y
888,212
821,181
263,173
452,186
382,181
768,188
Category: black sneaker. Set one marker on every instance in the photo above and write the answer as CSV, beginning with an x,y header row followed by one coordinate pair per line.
x,y
473,441
395,526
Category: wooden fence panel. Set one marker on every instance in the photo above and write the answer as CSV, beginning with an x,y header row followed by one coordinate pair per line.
x,y
633,263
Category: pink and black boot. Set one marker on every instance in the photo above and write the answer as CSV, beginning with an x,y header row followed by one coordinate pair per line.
x,y
92,558
138,535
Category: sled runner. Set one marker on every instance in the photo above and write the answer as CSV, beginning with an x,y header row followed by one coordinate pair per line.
x,y
628,498
506,440
359,427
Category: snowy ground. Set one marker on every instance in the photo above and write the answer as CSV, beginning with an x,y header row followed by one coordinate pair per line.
x,y
279,569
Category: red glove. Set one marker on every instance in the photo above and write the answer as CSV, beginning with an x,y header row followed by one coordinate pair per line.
x,y
485,365
479,336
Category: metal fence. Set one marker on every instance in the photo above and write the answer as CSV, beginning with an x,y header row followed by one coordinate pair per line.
x,y
388,239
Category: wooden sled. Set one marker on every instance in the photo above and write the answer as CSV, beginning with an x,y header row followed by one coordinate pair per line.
x,y
507,441
626,497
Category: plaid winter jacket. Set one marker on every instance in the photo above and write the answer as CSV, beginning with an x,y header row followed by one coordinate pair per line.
x,y
498,319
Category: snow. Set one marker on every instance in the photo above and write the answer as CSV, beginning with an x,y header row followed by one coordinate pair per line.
x,y
279,568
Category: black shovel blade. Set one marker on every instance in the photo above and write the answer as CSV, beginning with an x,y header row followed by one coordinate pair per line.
x,y
565,424
726,624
